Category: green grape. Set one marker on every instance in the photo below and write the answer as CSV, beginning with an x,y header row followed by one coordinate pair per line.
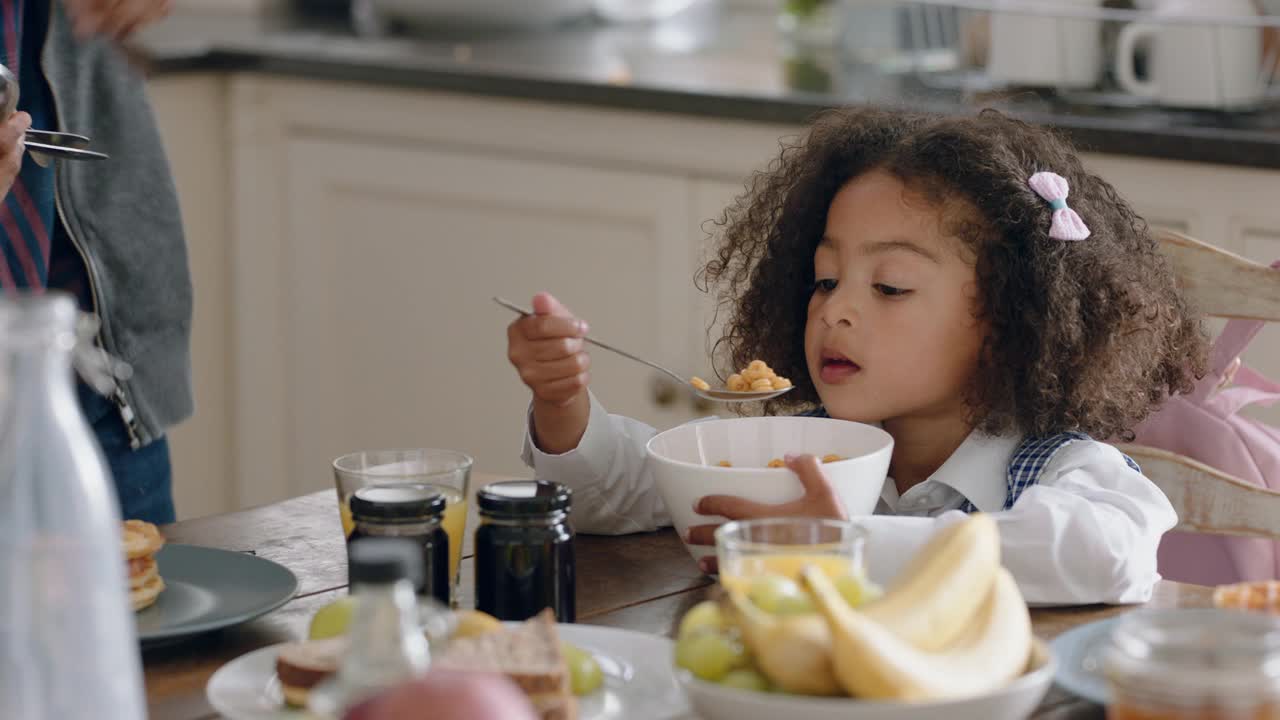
x,y
744,659
857,590
705,615
709,655
779,596
585,675
746,679
332,620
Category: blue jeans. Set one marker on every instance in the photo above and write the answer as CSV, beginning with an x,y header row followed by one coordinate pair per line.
x,y
143,477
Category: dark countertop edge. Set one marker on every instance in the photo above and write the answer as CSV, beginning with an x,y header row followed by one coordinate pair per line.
x,y
1202,145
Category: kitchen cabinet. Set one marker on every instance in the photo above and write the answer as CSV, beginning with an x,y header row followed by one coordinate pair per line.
x,y
1233,208
371,230
347,239
391,258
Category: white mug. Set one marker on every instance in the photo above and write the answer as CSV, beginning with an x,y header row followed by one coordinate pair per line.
x,y
1043,49
1195,62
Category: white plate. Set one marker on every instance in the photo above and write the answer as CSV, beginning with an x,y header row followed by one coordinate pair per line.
x,y
638,681
1015,701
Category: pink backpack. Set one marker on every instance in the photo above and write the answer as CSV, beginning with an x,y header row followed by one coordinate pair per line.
x,y
1204,425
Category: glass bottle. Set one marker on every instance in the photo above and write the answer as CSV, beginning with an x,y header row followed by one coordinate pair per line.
x,y
1194,664
524,551
388,645
68,642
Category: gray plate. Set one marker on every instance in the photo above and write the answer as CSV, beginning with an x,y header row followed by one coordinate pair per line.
x,y
208,589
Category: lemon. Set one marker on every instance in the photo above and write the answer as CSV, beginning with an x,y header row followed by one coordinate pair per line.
x,y
473,622
332,620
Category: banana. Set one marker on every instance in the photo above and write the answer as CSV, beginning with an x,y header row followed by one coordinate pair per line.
x,y
874,663
793,651
931,601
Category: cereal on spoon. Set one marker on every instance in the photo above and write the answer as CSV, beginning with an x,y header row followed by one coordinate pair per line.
x,y
756,377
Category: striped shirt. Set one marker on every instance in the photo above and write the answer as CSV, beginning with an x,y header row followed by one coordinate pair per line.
x,y
35,250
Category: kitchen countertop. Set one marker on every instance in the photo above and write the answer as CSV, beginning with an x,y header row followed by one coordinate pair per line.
x,y
708,63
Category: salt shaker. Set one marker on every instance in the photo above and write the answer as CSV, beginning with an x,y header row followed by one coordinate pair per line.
x,y
388,645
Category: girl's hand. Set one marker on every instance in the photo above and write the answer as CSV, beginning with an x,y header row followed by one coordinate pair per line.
x,y
115,18
546,350
819,500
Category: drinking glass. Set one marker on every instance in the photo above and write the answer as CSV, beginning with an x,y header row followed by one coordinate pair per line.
x,y
447,470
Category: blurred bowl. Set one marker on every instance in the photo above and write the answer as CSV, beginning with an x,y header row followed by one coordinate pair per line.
x,y
627,11
684,463
1014,701
494,13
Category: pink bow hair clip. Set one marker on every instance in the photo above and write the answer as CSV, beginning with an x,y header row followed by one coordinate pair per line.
x,y
1067,225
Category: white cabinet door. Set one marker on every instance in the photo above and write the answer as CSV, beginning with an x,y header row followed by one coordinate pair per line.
x,y
390,256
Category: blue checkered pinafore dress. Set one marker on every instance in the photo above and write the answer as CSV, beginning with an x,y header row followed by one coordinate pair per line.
x,y
1029,461
1026,465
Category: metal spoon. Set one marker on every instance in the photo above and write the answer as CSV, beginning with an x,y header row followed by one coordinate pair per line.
x,y
713,394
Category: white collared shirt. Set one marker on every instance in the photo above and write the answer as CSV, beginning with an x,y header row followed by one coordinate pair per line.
x,y
1087,532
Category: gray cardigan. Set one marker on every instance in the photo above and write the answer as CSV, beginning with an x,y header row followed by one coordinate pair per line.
x,y
123,216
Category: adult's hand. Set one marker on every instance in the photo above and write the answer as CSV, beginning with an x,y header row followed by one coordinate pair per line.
x,y
12,147
116,19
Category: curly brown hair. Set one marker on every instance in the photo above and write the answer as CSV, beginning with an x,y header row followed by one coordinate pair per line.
x,y
1087,336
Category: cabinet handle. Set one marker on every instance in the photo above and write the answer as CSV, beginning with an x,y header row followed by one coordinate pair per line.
x,y
664,391
667,393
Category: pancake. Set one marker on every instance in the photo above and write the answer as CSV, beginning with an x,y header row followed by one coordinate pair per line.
x,y
142,571
141,539
145,596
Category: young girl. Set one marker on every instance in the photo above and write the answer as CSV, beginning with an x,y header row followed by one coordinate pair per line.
x,y
966,284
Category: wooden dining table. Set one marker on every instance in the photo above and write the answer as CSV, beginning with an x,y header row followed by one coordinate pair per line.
x,y
642,582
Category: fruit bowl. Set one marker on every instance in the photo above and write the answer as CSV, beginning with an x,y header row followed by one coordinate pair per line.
x,y
685,463
1015,701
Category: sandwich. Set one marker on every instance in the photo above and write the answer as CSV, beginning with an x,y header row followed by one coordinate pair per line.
x,y
141,541
302,666
529,655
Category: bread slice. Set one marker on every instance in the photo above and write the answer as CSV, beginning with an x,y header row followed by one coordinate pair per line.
x,y
528,654
555,706
302,666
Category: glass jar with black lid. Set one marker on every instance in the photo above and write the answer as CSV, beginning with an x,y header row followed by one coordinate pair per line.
x,y
412,511
524,550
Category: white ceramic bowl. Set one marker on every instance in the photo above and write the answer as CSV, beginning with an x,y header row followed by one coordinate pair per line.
x,y
1015,701
510,13
684,463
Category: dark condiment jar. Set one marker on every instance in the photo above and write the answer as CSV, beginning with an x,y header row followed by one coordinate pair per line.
x,y
412,511
524,550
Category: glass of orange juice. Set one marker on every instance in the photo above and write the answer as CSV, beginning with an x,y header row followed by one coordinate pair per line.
x,y
448,470
747,549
